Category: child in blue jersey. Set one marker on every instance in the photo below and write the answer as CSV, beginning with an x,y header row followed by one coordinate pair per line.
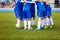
x,y
33,12
27,14
18,12
41,13
48,18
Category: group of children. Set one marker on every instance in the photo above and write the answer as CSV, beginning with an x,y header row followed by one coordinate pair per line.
x,y
25,10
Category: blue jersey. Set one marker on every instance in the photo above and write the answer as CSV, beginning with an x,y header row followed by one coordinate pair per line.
x,y
32,8
48,10
26,10
29,0
48,7
40,5
18,9
17,5
40,9
18,0
27,6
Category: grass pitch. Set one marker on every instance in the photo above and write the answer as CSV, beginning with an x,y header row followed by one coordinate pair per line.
x,y
8,31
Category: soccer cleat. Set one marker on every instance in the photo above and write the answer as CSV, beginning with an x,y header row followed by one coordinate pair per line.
x,y
42,27
25,28
30,28
18,27
45,27
38,29
32,25
52,26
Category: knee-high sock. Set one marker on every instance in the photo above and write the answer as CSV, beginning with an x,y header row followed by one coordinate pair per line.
x,y
18,23
25,24
29,24
47,21
39,23
33,22
43,23
51,20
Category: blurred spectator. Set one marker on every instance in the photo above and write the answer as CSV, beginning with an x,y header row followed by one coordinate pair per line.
x,y
13,3
7,3
57,5
2,3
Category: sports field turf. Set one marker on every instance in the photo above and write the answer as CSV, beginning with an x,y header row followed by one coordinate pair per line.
x,y
8,31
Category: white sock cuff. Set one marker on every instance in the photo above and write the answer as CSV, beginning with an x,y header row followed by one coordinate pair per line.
x,y
51,20
25,24
29,24
47,21
18,21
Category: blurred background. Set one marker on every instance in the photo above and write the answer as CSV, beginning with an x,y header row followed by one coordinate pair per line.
x,y
8,30
7,3
11,3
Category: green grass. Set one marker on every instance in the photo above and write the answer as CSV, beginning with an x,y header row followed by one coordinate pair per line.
x,y
8,31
